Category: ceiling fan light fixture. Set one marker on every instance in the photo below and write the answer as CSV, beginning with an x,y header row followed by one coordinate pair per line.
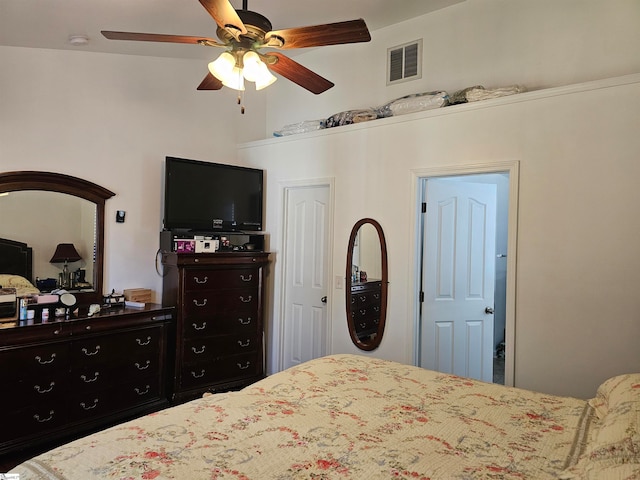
x,y
265,78
256,71
251,66
222,67
234,80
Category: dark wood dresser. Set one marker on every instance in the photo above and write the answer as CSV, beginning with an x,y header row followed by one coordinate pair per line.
x,y
68,377
365,307
219,320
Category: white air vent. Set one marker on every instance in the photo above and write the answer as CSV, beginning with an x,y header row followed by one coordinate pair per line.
x,y
404,62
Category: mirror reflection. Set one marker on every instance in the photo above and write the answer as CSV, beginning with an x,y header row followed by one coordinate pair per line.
x,y
366,284
32,199
26,217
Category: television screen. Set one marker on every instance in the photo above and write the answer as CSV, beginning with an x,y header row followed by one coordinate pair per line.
x,y
203,196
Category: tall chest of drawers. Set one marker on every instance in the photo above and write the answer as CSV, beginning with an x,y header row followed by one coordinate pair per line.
x,y
219,325
365,307
70,377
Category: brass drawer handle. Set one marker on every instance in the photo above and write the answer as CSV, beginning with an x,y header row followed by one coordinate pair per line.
x,y
86,379
246,279
376,308
140,392
363,312
42,420
197,280
91,354
245,322
245,366
363,298
376,296
39,389
195,375
39,359
195,302
89,407
143,367
244,344
244,299
198,352
196,327
143,343
363,325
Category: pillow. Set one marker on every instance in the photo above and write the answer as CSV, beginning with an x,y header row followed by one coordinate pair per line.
x,y
614,390
21,284
617,437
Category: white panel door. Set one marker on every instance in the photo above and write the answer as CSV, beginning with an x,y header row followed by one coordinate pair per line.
x,y
458,278
306,245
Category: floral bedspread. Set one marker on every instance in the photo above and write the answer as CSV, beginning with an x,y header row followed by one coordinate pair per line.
x,y
338,417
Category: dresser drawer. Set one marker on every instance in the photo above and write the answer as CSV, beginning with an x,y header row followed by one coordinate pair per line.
x,y
34,419
212,279
365,299
119,397
207,302
36,361
90,378
117,349
34,391
203,350
222,323
224,369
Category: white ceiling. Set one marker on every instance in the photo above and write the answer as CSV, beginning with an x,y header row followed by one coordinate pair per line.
x,y
50,23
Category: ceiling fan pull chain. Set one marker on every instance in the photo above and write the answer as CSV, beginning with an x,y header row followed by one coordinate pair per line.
x,y
241,101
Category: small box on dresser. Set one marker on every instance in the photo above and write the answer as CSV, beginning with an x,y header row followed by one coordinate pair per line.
x,y
219,320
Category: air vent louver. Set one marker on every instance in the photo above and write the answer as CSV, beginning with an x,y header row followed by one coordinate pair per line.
x,y
404,62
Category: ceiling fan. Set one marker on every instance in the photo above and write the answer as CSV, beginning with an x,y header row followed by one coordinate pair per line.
x,y
244,34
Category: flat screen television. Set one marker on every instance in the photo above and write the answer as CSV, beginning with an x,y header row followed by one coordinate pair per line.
x,y
203,196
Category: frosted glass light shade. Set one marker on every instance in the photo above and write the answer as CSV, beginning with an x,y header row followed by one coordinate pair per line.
x,y
235,79
265,77
222,67
251,69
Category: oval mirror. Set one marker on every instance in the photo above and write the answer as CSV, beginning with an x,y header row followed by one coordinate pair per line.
x,y
366,284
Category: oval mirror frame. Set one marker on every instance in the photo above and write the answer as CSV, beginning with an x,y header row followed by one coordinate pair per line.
x,y
374,340
57,182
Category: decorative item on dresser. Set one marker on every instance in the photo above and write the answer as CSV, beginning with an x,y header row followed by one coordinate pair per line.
x,y
70,376
219,319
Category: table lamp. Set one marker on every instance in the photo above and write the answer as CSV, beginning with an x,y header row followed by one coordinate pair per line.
x,y
65,252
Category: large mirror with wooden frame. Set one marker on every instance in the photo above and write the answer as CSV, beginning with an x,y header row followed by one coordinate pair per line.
x,y
366,284
42,210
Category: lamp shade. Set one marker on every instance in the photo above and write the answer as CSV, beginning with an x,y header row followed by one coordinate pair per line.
x,y
65,252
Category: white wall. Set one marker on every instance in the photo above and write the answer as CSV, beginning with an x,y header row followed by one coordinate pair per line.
x,y
578,265
495,43
112,120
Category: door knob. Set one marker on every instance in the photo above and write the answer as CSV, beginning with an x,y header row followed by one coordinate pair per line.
x,y
324,299
488,310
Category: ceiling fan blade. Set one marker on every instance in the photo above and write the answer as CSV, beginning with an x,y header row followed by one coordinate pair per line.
x,y
210,83
225,16
352,31
158,37
297,73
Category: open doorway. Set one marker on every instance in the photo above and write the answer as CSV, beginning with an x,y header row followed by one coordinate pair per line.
x,y
476,342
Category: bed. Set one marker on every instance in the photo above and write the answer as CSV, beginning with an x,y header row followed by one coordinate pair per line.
x,y
356,417
16,258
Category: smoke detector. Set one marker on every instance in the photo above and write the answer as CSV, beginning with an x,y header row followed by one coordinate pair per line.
x,y
78,40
